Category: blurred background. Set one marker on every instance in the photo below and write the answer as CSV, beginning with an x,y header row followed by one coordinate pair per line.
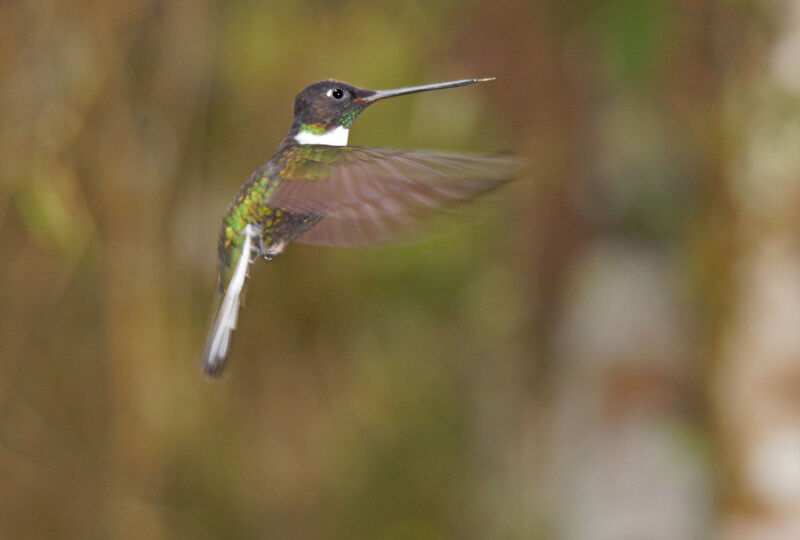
x,y
613,354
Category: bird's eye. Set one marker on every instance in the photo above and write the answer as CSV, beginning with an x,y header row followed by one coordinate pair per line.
x,y
336,93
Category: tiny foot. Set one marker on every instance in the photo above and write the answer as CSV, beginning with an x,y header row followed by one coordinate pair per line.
x,y
273,249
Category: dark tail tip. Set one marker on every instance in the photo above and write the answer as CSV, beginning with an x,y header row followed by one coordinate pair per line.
x,y
213,366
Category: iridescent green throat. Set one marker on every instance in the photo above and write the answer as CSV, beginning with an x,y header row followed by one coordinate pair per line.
x,y
316,129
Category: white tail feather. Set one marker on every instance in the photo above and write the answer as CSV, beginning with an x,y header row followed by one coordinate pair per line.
x,y
219,337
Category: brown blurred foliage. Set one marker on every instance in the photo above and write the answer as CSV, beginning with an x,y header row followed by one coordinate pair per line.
x,y
612,354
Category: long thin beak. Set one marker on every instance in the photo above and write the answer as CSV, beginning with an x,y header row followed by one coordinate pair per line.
x,y
380,94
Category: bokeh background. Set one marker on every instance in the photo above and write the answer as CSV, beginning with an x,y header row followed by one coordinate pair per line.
x,y
613,354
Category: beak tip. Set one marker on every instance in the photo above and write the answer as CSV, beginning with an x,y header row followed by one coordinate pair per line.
x,y
375,95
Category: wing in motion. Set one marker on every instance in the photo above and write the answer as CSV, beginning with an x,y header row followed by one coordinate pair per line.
x,y
368,195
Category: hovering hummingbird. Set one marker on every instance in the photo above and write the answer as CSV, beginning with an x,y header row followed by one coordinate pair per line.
x,y
317,189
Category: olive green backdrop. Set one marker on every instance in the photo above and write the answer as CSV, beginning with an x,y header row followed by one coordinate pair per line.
x,y
611,353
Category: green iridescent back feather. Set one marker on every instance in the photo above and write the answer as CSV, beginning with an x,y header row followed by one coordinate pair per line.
x,y
251,204
247,207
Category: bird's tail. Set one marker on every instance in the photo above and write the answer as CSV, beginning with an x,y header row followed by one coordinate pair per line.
x,y
218,342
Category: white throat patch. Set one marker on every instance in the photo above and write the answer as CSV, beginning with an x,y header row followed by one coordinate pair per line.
x,y
335,137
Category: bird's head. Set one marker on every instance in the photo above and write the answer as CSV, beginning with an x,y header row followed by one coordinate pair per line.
x,y
325,110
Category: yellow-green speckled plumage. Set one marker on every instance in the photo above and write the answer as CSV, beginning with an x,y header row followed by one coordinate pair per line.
x,y
252,204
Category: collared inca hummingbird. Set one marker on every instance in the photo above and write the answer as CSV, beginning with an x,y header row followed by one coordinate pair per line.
x,y
317,189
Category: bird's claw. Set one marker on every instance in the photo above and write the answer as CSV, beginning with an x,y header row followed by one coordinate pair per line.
x,y
271,251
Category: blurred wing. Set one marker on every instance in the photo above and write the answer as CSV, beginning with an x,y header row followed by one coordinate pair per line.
x,y
369,196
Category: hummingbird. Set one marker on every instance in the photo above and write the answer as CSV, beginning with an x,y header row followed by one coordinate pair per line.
x,y
318,190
